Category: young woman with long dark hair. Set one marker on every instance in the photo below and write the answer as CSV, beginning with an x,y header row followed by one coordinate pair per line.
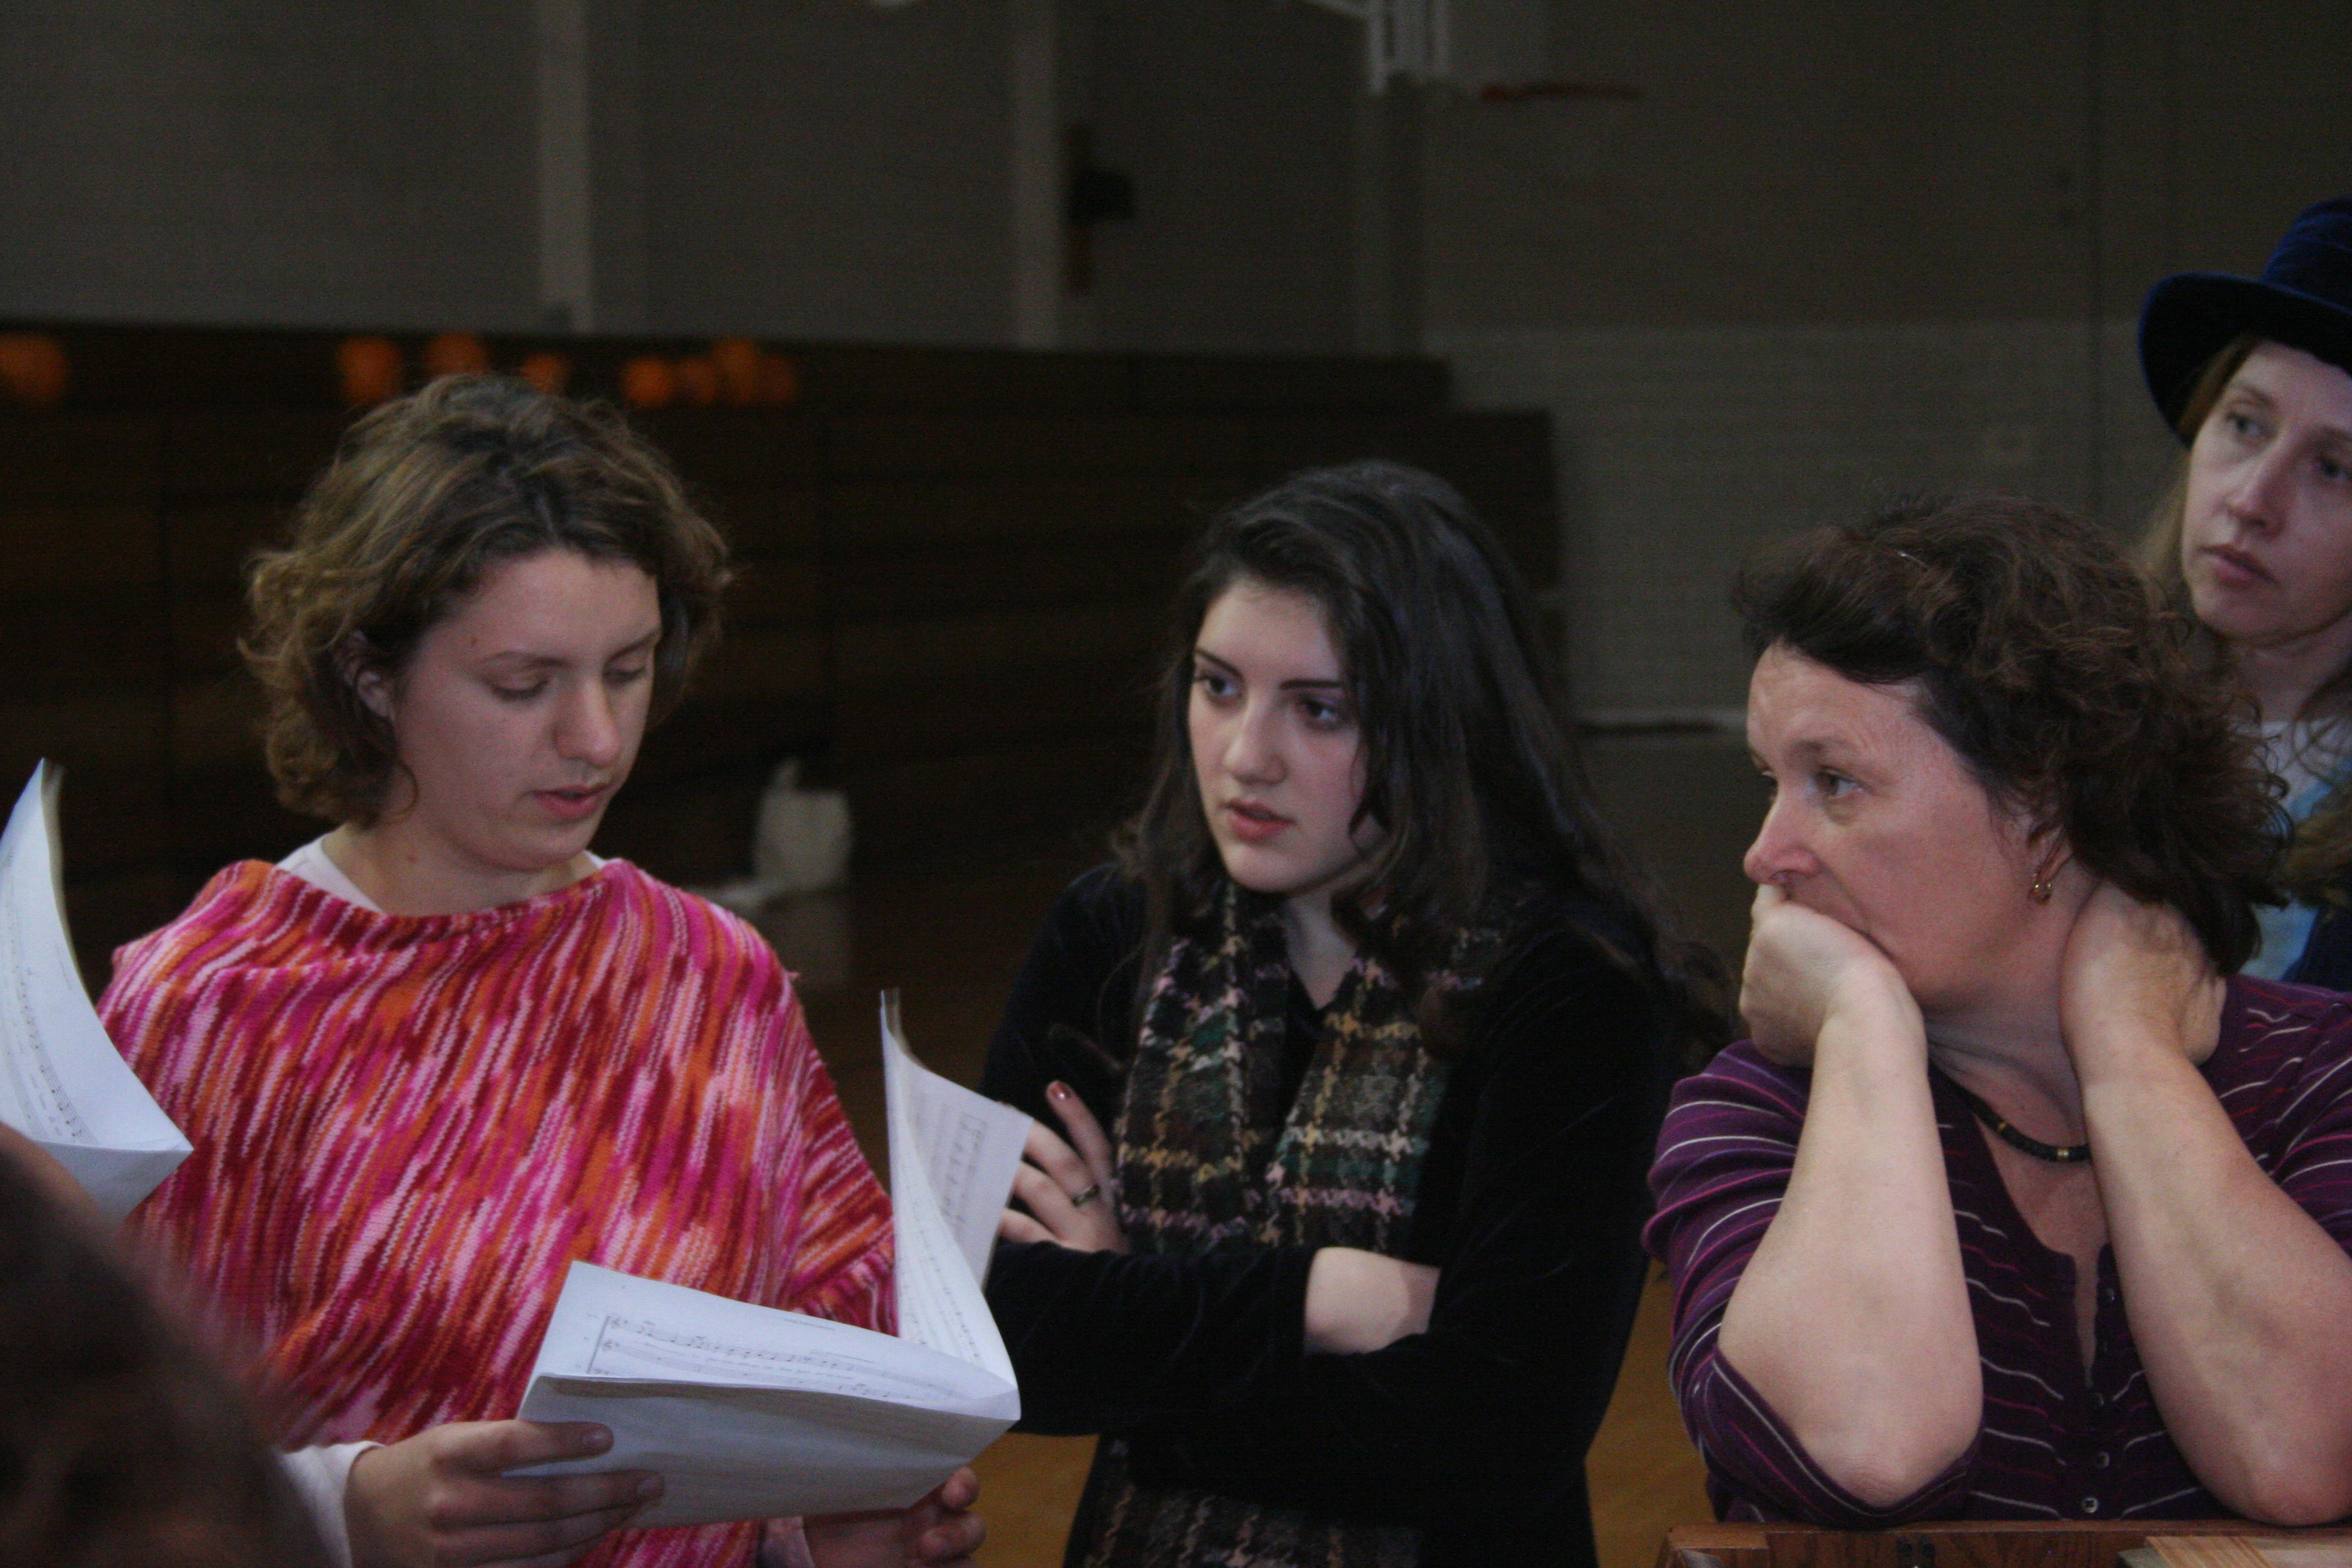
x,y
1358,1053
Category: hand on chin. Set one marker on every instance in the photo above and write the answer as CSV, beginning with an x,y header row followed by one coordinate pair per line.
x,y
1802,964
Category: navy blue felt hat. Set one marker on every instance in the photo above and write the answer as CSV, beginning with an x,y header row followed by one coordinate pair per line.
x,y
2303,299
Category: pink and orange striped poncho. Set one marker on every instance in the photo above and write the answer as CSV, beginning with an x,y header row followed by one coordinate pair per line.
x,y
405,1130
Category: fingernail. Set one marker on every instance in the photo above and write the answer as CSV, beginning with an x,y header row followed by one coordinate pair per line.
x,y
648,1488
594,1439
1058,1090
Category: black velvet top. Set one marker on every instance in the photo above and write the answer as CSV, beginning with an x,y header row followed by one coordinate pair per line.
x,y
1531,1205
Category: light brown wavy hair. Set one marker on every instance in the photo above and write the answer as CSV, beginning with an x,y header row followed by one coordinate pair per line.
x,y
2319,849
2054,669
425,496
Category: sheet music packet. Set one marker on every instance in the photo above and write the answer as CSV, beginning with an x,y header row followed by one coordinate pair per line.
x,y
62,1082
753,1413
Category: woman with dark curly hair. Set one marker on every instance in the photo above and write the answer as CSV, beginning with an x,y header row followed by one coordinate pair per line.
x,y
2254,540
436,1056
2012,1207
1360,1050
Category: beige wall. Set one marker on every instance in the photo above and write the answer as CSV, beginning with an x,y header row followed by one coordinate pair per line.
x,y
1832,251
1842,250
823,169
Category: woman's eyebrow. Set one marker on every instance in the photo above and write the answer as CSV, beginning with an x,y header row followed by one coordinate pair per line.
x,y
1305,681
530,660
1823,748
2238,391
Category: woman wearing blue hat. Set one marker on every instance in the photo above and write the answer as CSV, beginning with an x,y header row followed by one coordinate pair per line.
x,y
2256,538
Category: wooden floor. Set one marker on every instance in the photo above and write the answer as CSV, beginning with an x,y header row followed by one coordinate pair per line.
x,y
950,940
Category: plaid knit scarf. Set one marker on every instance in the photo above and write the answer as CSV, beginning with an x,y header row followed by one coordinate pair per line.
x,y
1209,1162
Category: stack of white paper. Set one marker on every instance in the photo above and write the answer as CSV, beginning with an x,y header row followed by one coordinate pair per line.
x,y
752,1412
62,1082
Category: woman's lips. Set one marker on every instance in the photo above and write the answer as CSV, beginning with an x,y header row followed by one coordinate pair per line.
x,y
572,804
2236,569
1253,824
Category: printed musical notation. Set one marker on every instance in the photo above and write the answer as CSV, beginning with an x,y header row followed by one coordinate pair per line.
x,y
946,1206
62,1082
971,1145
646,1348
752,1412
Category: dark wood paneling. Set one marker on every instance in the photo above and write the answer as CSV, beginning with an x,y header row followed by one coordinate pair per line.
x,y
885,447
938,808
223,452
1336,382
208,540
216,721
729,447
837,378
81,458
954,568
163,367
1070,699
205,627
118,731
905,650
764,520
695,828
1041,570
103,912
704,734
118,819
49,651
1008,509
780,590
229,812
74,546
756,664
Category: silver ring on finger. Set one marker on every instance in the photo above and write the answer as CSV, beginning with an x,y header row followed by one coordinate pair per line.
x,y
1082,1199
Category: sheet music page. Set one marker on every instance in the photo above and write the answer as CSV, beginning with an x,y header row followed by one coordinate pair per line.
x,y
971,1145
939,1303
618,1326
62,1082
751,1412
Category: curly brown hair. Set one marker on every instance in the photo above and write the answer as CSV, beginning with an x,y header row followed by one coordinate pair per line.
x,y
2054,669
425,495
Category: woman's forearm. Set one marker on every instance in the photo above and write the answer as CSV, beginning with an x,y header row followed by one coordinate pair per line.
x,y
1851,1320
1359,1301
2237,1298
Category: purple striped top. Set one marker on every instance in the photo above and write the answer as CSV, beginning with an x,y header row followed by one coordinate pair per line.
x,y
2056,1442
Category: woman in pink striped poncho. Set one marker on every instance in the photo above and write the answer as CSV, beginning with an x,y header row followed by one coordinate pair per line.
x,y
432,1058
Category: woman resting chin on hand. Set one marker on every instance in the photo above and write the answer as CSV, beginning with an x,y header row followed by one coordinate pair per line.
x,y
2011,1207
